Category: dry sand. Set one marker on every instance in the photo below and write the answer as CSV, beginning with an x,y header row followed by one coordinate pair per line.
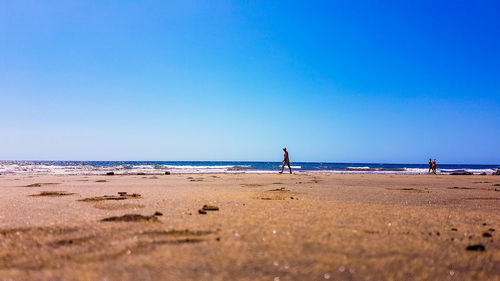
x,y
268,227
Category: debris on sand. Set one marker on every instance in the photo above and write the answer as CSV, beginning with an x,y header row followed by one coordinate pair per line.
x,y
210,208
110,173
131,218
177,232
202,212
51,194
101,181
251,185
280,189
158,213
408,189
487,234
121,196
167,173
476,247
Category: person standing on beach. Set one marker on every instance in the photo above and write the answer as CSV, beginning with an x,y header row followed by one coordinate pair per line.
x,y
430,165
434,166
286,161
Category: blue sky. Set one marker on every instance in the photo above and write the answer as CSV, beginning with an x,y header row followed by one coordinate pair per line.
x,y
348,81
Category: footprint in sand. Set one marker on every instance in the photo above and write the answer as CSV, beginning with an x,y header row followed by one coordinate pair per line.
x,y
131,218
121,196
70,242
40,184
51,194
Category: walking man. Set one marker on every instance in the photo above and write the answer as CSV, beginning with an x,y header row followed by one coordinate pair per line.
x,y
286,161
430,165
434,166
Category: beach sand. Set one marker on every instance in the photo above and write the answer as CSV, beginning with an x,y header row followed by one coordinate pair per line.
x,y
268,227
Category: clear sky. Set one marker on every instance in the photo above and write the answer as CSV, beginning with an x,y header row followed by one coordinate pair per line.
x,y
338,81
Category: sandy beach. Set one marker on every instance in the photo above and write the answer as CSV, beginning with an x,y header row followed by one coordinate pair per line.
x,y
254,227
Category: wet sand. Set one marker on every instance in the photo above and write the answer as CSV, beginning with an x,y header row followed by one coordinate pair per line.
x,y
253,227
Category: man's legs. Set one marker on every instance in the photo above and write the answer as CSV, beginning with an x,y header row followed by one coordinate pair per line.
x,y
282,167
288,163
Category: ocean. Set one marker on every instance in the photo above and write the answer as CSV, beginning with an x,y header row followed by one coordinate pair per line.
x,y
190,167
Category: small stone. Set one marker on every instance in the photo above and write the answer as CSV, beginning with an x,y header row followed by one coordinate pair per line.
x,y
110,173
491,229
454,229
326,276
167,173
202,212
342,268
437,233
158,214
487,234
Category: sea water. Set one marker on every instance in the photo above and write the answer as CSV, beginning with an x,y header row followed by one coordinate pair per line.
x,y
189,167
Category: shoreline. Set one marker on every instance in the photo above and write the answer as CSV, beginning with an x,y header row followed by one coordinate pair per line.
x,y
228,167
